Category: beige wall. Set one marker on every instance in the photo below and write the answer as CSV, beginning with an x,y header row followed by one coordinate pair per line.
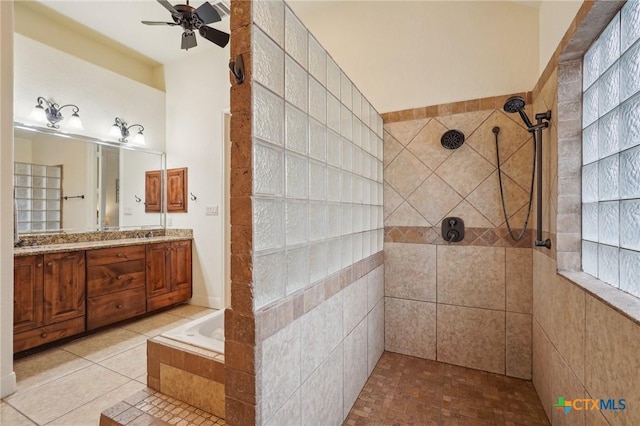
x,y
410,54
195,140
437,293
7,376
554,17
38,22
101,94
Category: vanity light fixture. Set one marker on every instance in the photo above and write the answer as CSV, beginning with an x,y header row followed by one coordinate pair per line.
x,y
49,112
120,130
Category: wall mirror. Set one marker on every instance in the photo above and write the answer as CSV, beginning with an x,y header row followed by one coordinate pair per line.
x,y
71,183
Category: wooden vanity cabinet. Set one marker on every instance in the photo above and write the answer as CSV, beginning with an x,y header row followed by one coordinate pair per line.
x,y
49,298
168,275
59,295
115,285
28,279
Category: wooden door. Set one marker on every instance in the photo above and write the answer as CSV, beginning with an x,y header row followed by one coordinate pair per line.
x,y
158,265
64,286
27,293
180,275
153,191
177,190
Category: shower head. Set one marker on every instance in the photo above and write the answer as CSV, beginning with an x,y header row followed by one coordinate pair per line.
x,y
516,104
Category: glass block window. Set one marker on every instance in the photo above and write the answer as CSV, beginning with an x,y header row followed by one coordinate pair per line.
x,y
611,153
38,189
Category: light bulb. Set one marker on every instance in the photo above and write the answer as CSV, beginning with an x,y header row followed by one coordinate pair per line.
x,y
139,139
75,122
38,114
115,131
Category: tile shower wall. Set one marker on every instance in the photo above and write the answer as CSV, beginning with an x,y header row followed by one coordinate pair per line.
x,y
468,303
317,226
593,354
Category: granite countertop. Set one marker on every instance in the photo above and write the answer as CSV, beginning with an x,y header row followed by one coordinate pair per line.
x,y
92,245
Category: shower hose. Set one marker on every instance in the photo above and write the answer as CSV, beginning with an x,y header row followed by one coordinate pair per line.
x,y
496,131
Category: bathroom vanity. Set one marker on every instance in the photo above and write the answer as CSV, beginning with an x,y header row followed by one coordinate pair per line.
x,y
61,290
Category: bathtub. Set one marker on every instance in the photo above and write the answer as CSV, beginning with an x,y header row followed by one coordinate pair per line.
x,y
206,332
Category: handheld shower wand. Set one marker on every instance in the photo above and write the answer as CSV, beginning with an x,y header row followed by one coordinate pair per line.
x,y
516,104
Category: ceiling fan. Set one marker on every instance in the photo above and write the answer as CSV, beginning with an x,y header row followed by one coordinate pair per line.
x,y
190,19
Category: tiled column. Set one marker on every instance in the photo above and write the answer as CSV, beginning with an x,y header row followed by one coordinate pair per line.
x,y
240,324
569,164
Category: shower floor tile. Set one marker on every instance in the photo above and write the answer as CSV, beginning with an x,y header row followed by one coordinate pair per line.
x,y
404,390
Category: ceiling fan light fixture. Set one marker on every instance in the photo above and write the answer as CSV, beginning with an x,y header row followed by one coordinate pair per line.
x,y
192,19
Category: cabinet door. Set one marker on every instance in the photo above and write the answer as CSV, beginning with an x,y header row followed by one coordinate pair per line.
x,y
158,265
153,191
64,286
27,293
177,190
180,276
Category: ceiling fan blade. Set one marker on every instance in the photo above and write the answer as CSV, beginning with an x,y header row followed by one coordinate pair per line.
x,y
216,36
207,13
188,40
169,7
158,23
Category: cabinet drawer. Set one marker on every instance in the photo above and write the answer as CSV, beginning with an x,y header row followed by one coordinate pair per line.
x,y
105,279
114,255
115,307
49,333
168,299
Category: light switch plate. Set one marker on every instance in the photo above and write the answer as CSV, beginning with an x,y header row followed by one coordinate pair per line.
x,y
211,211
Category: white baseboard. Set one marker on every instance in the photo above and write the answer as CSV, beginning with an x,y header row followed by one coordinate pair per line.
x,y
7,385
206,301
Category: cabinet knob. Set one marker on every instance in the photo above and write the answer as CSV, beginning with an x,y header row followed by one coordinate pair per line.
x,y
119,306
50,264
120,277
44,335
120,255
39,265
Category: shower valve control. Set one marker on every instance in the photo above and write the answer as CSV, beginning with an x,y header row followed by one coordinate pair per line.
x,y
452,229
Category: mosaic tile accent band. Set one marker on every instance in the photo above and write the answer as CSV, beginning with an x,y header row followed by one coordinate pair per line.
x,y
493,102
488,237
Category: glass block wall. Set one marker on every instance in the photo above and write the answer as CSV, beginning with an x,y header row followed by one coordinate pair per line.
x,y
611,153
38,191
317,160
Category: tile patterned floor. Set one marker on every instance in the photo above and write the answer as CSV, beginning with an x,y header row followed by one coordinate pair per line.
x,y
404,390
70,385
150,408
